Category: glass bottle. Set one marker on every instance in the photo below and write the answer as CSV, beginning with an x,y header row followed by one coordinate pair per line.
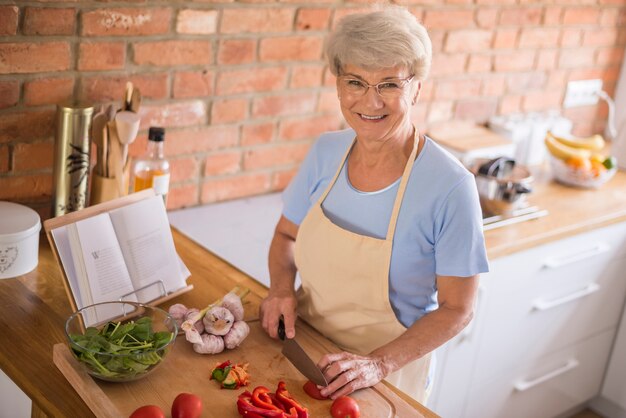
x,y
152,169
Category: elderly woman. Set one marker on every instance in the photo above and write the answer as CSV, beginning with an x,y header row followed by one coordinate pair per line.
x,y
383,226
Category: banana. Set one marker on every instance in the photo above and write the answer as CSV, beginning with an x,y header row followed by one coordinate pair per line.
x,y
593,143
564,152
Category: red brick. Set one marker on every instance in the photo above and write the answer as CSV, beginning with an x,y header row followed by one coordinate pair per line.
x,y
444,64
306,76
126,21
313,19
604,37
610,56
521,16
329,79
48,90
9,93
8,20
523,82
516,61
282,178
194,21
49,21
307,127
111,88
26,187
193,84
257,20
276,155
181,196
32,156
283,105
172,53
479,63
448,19
25,126
198,140
505,38
236,51
546,59
427,91
609,17
4,158
487,18
579,57
228,162
173,114
510,104
552,16
452,89
493,86
234,187
246,81
101,56
571,37
581,15
328,102
291,48
468,40
29,57
478,110
229,110
541,100
539,38
182,169
437,38
440,111
257,133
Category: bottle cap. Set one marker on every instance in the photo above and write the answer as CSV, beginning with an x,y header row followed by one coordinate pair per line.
x,y
156,134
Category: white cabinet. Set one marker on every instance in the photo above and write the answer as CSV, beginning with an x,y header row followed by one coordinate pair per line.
x,y
545,323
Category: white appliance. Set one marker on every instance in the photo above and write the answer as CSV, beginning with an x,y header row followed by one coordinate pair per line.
x,y
619,142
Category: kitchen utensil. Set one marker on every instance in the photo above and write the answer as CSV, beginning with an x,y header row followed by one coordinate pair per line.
x,y
127,124
135,101
502,185
105,151
299,358
97,126
116,165
128,93
19,239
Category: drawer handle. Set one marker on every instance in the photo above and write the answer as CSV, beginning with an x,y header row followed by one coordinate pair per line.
x,y
527,384
543,305
555,262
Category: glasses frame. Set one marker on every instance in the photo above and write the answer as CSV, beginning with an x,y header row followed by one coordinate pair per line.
x,y
403,81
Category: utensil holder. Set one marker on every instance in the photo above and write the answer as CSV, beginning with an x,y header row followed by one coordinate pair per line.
x,y
104,189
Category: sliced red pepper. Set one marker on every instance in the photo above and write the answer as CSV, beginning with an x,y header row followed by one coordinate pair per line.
x,y
261,398
283,395
246,408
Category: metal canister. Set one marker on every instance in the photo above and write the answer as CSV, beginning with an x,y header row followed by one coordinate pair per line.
x,y
71,157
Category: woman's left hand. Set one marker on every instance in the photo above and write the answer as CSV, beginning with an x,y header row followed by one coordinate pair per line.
x,y
348,372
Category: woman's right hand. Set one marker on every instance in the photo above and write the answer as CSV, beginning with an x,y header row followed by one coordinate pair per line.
x,y
279,303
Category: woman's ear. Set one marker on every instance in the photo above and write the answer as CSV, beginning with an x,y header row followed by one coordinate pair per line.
x,y
417,93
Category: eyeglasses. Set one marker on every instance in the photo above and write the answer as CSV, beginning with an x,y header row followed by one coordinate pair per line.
x,y
388,89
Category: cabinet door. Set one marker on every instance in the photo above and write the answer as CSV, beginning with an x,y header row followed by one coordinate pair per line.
x,y
614,388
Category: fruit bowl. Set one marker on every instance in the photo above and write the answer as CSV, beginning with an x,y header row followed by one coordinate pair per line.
x,y
129,346
579,176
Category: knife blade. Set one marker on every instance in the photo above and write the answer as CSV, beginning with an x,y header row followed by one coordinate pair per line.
x,y
299,358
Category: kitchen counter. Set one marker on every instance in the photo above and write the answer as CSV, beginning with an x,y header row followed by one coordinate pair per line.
x,y
33,309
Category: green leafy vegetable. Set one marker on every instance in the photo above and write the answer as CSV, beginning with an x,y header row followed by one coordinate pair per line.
x,y
121,350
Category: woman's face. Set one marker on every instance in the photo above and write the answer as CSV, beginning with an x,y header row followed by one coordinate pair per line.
x,y
374,116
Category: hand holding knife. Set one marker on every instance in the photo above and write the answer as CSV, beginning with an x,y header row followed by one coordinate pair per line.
x,y
299,358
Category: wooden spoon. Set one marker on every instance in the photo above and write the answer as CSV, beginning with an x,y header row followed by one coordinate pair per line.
x,y
127,124
97,126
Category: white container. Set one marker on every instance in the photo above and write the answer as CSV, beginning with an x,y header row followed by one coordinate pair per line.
x,y
19,240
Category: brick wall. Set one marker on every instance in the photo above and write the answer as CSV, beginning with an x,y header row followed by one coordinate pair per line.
x,y
241,86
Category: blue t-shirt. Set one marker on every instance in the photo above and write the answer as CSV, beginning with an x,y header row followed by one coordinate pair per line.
x,y
439,228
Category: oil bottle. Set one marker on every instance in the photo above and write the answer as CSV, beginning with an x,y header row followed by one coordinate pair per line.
x,y
152,169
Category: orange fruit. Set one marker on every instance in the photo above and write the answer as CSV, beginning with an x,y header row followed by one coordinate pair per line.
x,y
579,163
597,168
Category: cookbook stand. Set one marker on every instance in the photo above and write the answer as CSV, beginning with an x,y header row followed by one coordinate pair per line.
x,y
59,221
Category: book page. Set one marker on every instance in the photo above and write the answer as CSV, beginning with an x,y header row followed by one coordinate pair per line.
x,y
64,250
145,237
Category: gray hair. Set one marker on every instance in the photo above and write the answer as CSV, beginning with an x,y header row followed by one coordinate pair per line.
x,y
380,39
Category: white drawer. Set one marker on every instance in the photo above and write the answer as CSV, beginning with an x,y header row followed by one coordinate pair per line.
x,y
550,314
544,387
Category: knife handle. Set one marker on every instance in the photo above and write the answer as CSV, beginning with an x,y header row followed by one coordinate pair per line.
x,y
281,328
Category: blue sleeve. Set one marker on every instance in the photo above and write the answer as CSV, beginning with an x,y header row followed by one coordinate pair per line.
x,y
459,241
297,195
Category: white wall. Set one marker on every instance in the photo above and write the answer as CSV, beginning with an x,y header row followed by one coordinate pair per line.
x,y
15,403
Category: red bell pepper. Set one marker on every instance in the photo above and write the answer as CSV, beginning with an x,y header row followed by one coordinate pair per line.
x,y
246,408
283,395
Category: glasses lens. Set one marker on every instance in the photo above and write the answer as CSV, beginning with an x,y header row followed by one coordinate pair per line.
x,y
354,86
391,88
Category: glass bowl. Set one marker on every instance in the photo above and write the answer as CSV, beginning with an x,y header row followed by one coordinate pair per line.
x,y
571,176
120,341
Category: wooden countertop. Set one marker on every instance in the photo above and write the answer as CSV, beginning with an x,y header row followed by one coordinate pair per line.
x,y
33,309
571,211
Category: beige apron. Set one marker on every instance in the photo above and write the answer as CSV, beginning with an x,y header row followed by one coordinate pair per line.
x,y
345,286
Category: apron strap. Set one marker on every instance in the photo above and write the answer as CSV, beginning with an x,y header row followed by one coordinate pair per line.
x,y
400,194
332,182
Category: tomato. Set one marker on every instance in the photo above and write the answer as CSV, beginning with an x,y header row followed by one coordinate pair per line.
x,y
345,407
311,389
187,405
148,411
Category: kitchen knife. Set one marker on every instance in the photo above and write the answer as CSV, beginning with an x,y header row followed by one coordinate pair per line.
x,y
299,358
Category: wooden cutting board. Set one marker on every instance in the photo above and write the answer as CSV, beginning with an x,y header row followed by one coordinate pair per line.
x,y
186,371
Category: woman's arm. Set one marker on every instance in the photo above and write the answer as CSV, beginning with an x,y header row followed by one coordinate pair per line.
x,y
349,372
281,299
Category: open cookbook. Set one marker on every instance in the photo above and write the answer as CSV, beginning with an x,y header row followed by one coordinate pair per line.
x,y
118,250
